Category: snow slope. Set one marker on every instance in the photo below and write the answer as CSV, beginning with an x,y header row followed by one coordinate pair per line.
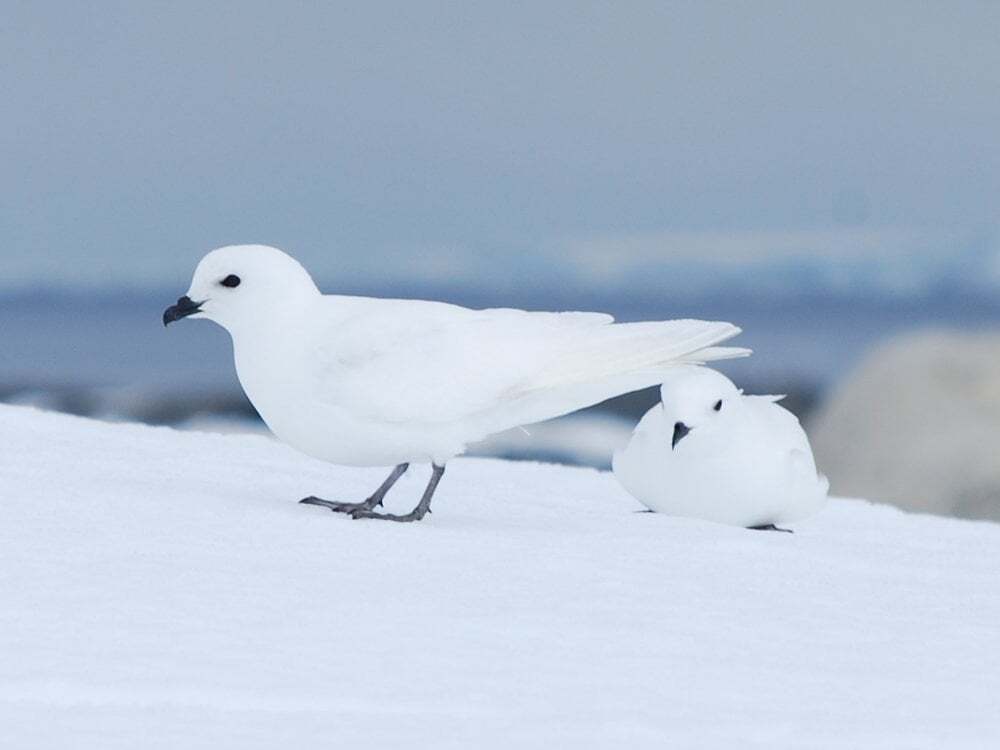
x,y
161,589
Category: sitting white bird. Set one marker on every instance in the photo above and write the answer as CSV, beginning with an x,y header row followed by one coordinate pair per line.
x,y
707,451
379,382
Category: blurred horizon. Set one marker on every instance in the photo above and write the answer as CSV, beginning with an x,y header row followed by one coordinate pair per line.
x,y
846,264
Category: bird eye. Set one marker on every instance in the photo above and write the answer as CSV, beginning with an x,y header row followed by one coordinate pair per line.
x,y
232,281
718,405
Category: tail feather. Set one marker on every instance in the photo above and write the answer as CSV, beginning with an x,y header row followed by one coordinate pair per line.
x,y
715,354
594,367
636,347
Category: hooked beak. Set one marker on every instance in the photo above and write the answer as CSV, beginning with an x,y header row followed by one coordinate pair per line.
x,y
680,431
185,306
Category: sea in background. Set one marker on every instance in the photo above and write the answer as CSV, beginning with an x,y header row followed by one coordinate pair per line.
x,y
105,354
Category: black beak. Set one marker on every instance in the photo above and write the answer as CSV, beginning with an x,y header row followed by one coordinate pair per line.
x,y
185,306
680,431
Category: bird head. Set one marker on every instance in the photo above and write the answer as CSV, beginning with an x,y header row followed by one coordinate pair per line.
x,y
695,397
242,285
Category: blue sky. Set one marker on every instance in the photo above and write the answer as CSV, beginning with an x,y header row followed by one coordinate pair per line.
x,y
489,144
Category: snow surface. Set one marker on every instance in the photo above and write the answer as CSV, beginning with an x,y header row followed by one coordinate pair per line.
x,y
162,589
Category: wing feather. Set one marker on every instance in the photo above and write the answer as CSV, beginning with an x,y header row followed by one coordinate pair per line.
x,y
432,362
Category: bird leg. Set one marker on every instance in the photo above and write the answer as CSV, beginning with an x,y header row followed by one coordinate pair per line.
x,y
372,502
422,509
769,527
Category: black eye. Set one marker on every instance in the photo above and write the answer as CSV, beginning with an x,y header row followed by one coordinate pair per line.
x,y
718,405
232,281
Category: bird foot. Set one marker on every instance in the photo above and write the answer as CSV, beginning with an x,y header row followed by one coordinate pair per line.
x,y
414,515
340,507
770,527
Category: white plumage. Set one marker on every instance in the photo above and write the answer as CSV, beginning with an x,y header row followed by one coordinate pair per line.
x,y
370,382
708,451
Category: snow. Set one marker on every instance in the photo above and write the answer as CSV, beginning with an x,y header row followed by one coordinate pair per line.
x,y
163,589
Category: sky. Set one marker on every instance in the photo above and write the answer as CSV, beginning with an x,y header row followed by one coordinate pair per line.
x,y
695,145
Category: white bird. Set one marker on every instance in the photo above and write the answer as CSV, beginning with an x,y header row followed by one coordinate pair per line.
x,y
378,382
707,451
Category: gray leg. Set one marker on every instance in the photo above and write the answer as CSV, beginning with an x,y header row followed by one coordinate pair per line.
x,y
372,502
422,509
769,527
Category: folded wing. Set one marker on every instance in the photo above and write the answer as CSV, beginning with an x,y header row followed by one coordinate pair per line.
x,y
430,362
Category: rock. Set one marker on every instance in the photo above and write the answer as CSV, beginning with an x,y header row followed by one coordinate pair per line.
x,y
918,425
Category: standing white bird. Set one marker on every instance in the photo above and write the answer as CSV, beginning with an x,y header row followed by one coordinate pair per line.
x,y
707,451
379,382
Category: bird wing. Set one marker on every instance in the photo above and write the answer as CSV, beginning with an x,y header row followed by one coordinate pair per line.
x,y
788,435
408,361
